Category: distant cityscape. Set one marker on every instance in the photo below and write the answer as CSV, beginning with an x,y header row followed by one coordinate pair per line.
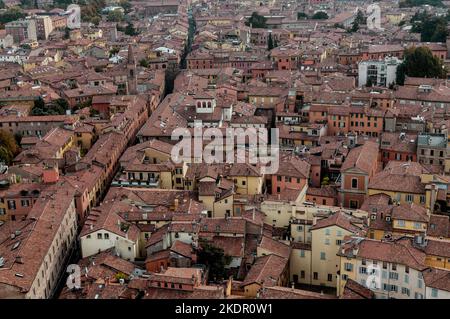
x,y
209,149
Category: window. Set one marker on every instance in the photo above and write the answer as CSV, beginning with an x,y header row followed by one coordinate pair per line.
x,y
394,288
302,274
417,225
330,277
25,202
327,232
393,275
384,265
11,204
322,256
406,279
405,291
401,223
354,183
422,199
339,233
348,267
300,228
99,236
418,295
338,242
353,204
106,236
302,253
362,270
434,293
315,275
409,198
327,241
394,266
419,283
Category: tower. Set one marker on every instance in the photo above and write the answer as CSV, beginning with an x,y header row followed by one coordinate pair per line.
x,y
131,71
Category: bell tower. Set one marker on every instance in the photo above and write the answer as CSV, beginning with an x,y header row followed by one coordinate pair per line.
x,y
131,71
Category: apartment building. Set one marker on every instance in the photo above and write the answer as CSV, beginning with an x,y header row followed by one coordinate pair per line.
x,y
391,269
378,73
42,245
22,30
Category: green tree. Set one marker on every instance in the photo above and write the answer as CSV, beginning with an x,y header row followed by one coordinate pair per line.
x,y
431,28
302,16
215,259
144,63
2,5
130,30
126,5
355,26
320,15
420,62
360,18
257,21
11,14
8,147
325,181
270,44
113,52
115,16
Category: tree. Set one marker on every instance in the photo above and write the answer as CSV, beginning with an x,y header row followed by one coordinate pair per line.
x,y
2,5
431,28
325,181
256,21
302,16
360,18
420,62
115,16
320,15
113,52
270,44
355,27
144,63
11,14
215,259
126,5
8,147
130,30
57,107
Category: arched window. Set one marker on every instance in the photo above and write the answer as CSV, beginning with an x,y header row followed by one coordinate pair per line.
x,y
209,104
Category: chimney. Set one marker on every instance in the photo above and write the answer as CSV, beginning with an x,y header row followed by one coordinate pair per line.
x,y
175,204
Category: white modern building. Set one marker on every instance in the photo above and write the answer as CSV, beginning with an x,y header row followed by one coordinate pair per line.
x,y
378,72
